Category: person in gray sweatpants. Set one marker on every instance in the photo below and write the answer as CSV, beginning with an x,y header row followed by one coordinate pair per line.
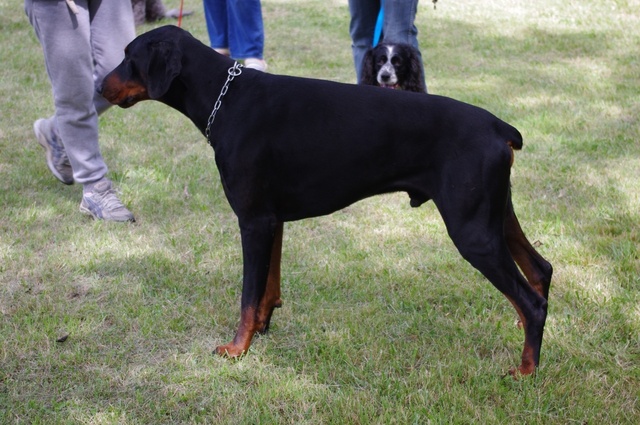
x,y
82,41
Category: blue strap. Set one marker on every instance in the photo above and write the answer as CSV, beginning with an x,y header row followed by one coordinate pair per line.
x,y
378,31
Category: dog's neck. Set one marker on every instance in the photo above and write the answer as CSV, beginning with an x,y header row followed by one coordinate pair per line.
x,y
233,72
209,74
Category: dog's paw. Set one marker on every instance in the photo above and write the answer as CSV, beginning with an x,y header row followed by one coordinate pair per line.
x,y
229,350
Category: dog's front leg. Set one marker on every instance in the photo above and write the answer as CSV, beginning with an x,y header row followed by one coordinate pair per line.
x,y
260,238
271,298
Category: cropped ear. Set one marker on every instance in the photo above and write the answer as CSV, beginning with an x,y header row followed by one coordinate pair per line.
x,y
367,70
165,64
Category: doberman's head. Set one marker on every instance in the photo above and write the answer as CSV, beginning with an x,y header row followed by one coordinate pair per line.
x,y
152,61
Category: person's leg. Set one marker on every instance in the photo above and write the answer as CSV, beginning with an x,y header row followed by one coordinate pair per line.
x,y
112,29
399,23
67,45
364,14
139,11
65,39
246,29
215,14
399,18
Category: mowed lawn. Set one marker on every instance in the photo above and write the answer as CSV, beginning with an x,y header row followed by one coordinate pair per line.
x,y
383,322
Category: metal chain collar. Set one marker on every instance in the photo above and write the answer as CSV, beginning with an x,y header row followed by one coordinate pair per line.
x,y
234,71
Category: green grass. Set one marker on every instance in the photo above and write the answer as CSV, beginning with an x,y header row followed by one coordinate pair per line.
x,y
383,322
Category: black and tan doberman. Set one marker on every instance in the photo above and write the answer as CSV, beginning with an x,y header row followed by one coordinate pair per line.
x,y
289,148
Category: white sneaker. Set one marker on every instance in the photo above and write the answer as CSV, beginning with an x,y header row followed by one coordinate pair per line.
x,y
57,158
255,63
103,204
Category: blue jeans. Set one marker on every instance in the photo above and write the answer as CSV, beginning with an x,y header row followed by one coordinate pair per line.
x,y
236,25
398,26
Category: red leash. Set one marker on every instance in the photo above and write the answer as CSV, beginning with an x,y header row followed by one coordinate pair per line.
x,y
180,14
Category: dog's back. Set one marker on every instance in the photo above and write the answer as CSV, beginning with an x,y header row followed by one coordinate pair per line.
x,y
322,140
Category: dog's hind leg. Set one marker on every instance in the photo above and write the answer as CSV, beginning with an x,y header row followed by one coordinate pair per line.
x,y
537,270
261,238
493,260
480,240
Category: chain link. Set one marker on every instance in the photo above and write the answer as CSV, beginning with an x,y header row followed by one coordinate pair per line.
x,y
234,71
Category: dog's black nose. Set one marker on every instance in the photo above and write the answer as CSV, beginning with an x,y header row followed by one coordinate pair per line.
x,y
385,77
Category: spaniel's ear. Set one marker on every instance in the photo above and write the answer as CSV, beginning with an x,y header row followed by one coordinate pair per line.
x,y
165,64
415,81
367,70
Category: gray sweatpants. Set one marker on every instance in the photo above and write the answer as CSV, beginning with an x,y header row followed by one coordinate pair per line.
x,y
79,50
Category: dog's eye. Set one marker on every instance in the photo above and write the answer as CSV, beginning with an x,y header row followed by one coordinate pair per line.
x,y
396,60
382,60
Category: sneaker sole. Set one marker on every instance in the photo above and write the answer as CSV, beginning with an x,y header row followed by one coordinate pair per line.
x,y
42,139
87,211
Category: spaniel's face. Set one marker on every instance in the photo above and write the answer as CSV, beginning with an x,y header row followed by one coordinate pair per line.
x,y
394,66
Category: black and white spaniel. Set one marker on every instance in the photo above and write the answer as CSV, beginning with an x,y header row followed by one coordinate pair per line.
x,y
395,66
